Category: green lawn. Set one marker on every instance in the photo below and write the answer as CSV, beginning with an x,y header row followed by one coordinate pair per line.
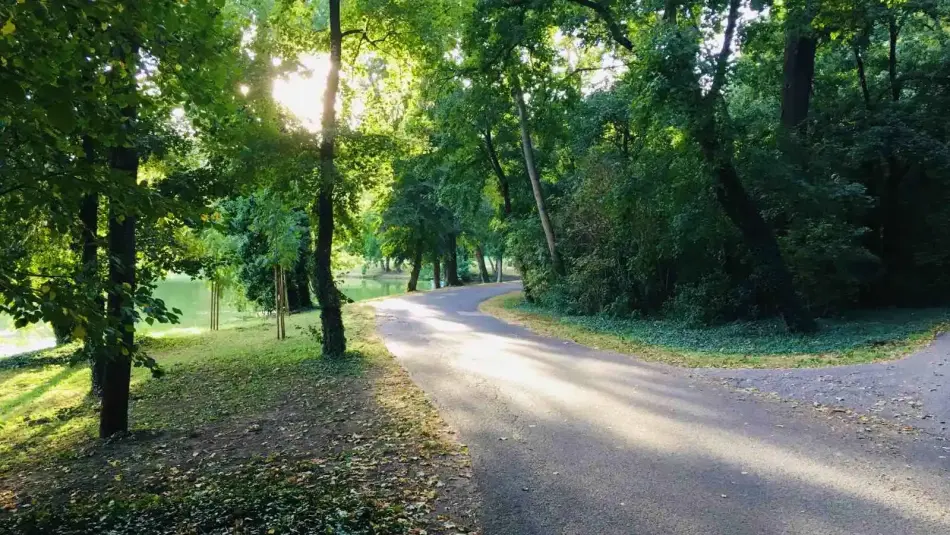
x,y
244,433
861,337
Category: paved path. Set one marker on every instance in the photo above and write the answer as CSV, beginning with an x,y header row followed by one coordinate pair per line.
x,y
912,391
571,440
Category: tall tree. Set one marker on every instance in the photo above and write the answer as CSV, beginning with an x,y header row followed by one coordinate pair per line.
x,y
799,66
528,147
124,163
334,340
718,152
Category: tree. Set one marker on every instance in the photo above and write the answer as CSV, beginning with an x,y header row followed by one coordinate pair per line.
x,y
334,341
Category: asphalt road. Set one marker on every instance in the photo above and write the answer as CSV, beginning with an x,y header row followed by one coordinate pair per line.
x,y
571,440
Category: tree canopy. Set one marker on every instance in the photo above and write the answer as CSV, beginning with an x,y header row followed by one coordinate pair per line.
x,y
705,160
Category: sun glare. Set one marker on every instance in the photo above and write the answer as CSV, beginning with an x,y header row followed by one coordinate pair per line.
x,y
301,92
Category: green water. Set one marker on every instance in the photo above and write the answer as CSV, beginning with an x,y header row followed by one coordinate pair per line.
x,y
362,289
193,297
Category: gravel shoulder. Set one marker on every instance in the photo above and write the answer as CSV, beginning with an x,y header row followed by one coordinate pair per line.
x,y
913,391
568,439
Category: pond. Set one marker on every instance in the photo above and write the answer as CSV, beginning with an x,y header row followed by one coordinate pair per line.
x,y
194,299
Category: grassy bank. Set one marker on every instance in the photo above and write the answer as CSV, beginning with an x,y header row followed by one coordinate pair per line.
x,y
866,337
244,434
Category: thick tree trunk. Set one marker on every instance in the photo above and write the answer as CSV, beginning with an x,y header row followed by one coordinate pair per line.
x,y
334,340
499,271
416,268
118,353
299,285
799,72
528,148
452,262
117,365
386,265
482,268
436,273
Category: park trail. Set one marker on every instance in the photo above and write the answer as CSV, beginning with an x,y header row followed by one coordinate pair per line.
x,y
567,439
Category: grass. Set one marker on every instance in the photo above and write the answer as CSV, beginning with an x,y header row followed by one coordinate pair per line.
x,y
860,338
243,434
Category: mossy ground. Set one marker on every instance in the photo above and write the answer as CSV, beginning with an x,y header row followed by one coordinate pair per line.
x,y
860,338
243,434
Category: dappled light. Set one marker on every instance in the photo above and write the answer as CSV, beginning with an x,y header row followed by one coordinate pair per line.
x,y
493,267
523,391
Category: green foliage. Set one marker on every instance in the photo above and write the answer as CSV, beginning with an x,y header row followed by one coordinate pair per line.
x,y
859,337
262,232
637,211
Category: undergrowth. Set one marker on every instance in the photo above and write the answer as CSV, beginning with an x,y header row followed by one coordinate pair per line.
x,y
862,337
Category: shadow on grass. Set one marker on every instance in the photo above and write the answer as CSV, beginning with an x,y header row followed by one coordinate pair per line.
x,y
9,407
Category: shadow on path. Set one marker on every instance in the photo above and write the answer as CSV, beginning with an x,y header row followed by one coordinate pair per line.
x,y
567,439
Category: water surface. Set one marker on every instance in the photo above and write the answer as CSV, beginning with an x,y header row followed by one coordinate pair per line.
x,y
193,297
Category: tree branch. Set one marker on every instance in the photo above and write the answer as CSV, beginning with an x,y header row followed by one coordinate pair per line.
x,y
722,63
608,17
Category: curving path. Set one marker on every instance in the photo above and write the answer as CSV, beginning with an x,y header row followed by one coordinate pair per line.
x,y
912,391
571,440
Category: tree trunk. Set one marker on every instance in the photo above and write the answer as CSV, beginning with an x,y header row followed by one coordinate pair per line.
x,y
301,275
669,11
452,262
285,302
293,294
499,172
416,268
892,32
757,235
277,294
334,340
528,148
498,271
482,268
117,356
799,72
436,274
211,310
117,365
386,265
892,238
862,78
89,240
